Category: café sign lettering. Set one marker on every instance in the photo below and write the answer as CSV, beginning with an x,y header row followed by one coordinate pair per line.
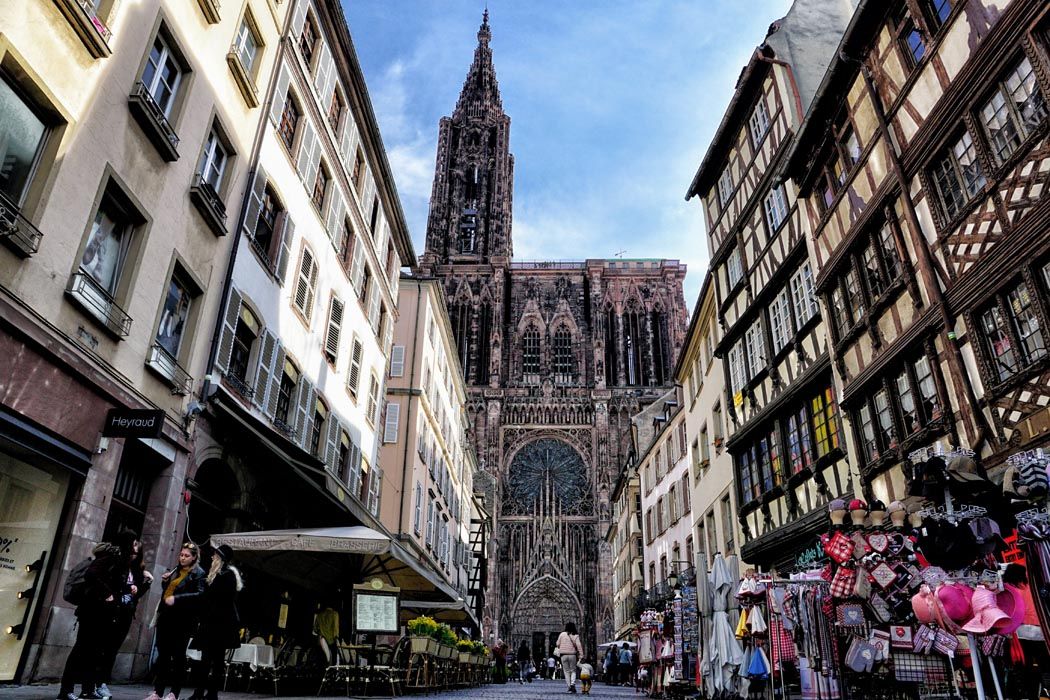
x,y
127,422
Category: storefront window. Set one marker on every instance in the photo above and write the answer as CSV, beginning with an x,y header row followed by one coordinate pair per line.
x,y
31,500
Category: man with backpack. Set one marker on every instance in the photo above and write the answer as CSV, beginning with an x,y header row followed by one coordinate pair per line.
x,y
95,586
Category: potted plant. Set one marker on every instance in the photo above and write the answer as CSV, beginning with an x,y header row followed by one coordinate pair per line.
x,y
447,639
421,631
465,647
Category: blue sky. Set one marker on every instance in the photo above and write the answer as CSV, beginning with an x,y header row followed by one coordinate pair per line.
x,y
612,106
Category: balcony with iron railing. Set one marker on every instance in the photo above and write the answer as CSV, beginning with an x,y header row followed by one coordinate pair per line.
x,y
89,295
209,204
16,231
242,77
285,429
167,368
91,30
154,122
241,386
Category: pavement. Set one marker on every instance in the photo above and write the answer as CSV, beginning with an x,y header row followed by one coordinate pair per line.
x,y
537,690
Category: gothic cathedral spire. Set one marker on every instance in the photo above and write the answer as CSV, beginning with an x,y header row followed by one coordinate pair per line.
x,y
470,204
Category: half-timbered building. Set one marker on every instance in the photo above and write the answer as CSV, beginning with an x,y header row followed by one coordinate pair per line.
x,y
922,163
783,428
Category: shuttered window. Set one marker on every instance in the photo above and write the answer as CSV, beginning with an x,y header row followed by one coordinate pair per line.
x,y
417,517
373,400
305,286
397,361
353,377
335,323
390,425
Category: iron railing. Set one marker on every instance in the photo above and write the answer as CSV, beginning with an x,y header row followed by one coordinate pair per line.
x,y
98,302
163,363
209,203
16,229
141,94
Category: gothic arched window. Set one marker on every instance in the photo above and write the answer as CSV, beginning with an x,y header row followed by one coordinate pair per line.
x,y
658,323
530,354
460,314
564,362
612,356
484,345
632,350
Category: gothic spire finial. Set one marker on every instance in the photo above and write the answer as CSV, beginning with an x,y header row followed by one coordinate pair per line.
x,y
484,35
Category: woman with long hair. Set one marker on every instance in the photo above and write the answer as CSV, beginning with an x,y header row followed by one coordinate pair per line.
x,y
219,622
137,581
570,649
176,616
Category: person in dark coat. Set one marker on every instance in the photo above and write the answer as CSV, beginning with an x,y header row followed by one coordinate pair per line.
x,y
176,620
136,584
220,623
96,615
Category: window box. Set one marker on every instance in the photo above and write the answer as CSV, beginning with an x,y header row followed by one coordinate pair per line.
x,y
285,429
151,118
16,231
246,391
210,8
242,78
167,368
89,28
209,204
92,298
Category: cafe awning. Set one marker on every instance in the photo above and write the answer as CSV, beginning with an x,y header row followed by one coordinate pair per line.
x,y
325,557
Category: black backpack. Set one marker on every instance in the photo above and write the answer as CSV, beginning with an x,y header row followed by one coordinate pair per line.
x,y
76,588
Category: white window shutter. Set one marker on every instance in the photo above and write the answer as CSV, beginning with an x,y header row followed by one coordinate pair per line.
x,y
397,361
388,333
358,266
262,377
334,224
280,97
229,328
302,284
285,252
321,75
299,17
304,160
335,324
354,478
251,212
353,376
391,424
373,306
331,450
347,141
276,375
374,486
304,410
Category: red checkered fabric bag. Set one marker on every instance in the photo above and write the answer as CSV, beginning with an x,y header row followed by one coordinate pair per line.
x,y
839,547
844,582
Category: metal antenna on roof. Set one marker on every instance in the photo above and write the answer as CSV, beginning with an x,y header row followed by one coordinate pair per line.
x,y
620,253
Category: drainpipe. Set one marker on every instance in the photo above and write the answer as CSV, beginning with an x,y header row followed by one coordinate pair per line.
x,y
926,266
227,281
408,416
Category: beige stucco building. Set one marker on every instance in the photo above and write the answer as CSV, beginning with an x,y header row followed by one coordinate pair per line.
x,y
126,130
428,500
624,538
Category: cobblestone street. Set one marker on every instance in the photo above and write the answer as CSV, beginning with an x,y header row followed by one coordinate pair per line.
x,y
528,691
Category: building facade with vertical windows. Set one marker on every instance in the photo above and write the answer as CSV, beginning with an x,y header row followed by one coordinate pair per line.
x,y
929,220
428,499
126,133
626,544
783,428
699,373
291,433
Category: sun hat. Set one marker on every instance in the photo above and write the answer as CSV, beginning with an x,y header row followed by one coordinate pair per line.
x,y
924,605
986,612
955,600
1010,601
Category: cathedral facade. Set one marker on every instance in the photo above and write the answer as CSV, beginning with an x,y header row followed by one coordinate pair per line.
x,y
558,356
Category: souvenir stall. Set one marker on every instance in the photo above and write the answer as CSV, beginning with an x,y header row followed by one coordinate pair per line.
x,y
720,651
930,598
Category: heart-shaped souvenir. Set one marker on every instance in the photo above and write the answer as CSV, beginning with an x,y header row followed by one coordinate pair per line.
x,y
895,543
883,575
879,542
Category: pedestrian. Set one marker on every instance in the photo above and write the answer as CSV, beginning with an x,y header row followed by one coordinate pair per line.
x,y
175,621
586,672
571,650
551,662
136,584
98,594
500,653
220,624
524,658
625,664
612,658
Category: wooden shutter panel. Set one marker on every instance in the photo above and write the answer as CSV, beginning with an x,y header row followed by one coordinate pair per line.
x,y
357,267
395,276
251,212
280,97
299,18
304,158
397,361
262,378
331,450
392,422
302,284
388,333
346,142
324,79
229,328
373,305
353,478
304,411
353,381
372,409
313,291
335,217
373,489
335,323
287,238
276,375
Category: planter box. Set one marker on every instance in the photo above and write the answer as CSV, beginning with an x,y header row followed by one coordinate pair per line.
x,y
448,652
432,646
465,657
420,645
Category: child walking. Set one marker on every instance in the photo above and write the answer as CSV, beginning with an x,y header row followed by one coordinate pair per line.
x,y
586,673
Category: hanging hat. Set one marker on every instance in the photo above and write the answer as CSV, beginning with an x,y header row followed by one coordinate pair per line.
x,y
1010,601
962,467
986,534
857,504
955,601
924,605
897,513
949,545
1012,486
986,612
837,511
741,625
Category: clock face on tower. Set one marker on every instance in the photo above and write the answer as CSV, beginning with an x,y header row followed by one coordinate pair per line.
x,y
551,469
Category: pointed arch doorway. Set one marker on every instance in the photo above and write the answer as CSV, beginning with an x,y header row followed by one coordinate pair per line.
x,y
540,612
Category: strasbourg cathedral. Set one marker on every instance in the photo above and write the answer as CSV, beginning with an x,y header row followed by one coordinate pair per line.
x,y
558,357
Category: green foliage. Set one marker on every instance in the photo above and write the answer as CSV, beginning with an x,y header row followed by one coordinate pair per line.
x,y
423,626
445,635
